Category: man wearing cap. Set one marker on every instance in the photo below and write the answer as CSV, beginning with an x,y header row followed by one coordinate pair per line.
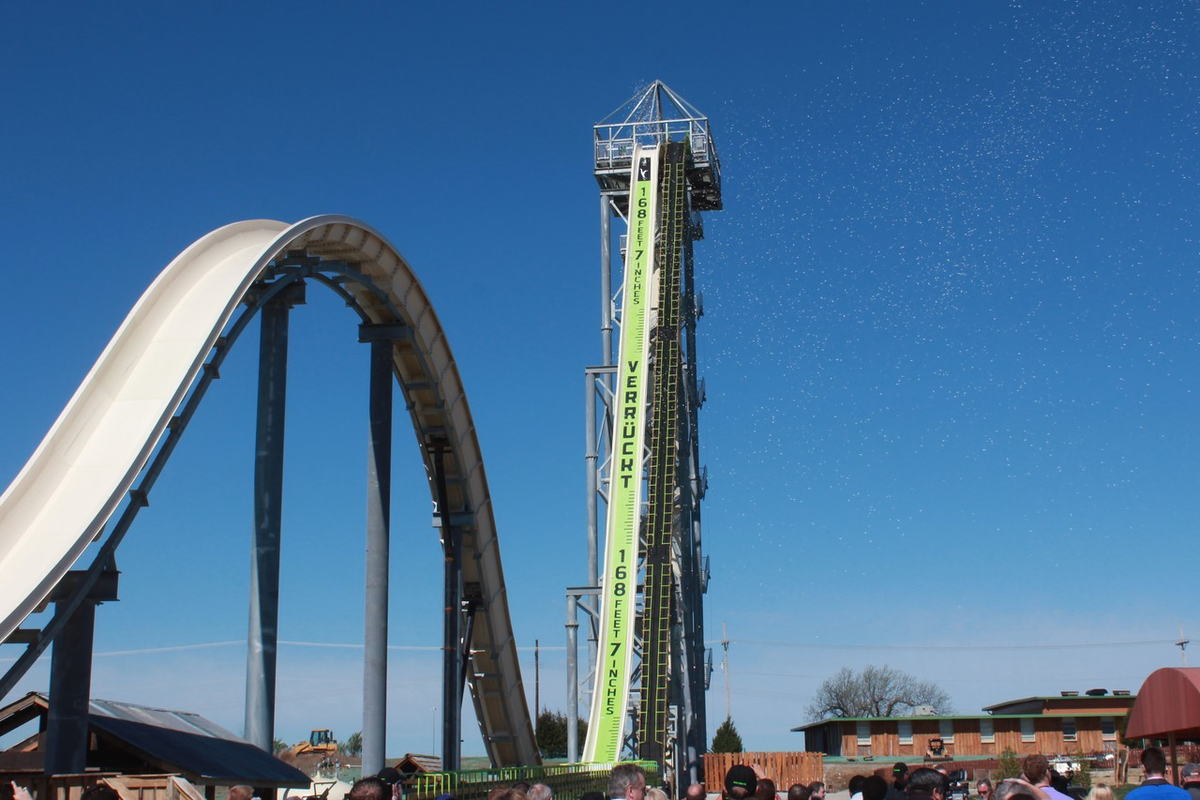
x,y
1189,773
899,778
740,782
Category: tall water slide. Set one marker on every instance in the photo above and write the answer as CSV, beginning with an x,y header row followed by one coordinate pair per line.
x,y
88,463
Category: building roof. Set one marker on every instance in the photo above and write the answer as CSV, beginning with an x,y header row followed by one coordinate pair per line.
x,y
1063,698
931,717
173,741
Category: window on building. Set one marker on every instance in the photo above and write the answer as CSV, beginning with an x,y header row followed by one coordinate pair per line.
x,y
1068,725
864,733
1108,729
1027,730
904,728
987,731
946,730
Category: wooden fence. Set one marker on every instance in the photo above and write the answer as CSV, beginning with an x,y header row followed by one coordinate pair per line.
x,y
783,768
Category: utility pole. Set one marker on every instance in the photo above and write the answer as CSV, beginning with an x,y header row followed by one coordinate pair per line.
x,y
1182,645
537,683
725,645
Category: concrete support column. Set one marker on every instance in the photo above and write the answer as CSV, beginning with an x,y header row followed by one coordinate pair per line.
x,y
379,487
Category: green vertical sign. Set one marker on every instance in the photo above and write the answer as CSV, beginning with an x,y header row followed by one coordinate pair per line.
x,y
606,725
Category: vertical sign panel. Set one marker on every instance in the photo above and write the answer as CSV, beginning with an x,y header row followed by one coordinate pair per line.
x,y
610,697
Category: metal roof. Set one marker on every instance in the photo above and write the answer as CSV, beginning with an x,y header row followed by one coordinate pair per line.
x,y
1168,704
175,741
1068,698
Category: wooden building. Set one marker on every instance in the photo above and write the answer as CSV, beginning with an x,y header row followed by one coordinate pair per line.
x,y
1060,725
143,753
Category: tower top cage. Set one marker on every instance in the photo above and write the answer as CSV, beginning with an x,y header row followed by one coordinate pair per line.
x,y
657,115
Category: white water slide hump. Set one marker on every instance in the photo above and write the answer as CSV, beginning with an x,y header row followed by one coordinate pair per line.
x,y
81,471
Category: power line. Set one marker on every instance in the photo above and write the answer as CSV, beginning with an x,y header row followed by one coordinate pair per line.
x,y
967,648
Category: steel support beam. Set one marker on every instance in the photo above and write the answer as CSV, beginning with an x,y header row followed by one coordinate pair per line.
x,y
379,490
452,647
572,681
263,637
70,694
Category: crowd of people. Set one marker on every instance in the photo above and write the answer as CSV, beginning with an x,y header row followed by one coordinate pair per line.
x,y
627,781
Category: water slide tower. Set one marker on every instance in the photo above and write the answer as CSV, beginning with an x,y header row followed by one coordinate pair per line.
x,y
647,666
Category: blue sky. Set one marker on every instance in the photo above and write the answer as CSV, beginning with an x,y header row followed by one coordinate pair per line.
x,y
950,338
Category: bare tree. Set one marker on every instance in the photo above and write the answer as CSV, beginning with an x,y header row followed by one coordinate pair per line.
x,y
876,692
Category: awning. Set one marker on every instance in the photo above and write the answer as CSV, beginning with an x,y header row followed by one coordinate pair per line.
x,y
1168,706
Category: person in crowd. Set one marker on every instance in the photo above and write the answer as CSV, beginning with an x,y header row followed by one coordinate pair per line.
x,y
899,777
627,781
391,776
369,789
817,790
926,784
99,791
1101,791
1154,781
1016,789
854,786
798,791
695,792
540,791
1190,775
1060,781
1036,770
983,789
740,782
656,794
874,788
240,792
765,789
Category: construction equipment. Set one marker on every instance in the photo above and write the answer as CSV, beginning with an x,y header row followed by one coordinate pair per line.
x,y
319,741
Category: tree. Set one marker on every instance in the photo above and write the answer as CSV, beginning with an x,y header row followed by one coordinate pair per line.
x,y
876,692
552,733
353,744
1007,767
1084,776
279,746
726,739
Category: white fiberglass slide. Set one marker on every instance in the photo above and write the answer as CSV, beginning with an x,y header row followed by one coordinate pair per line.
x,y
81,471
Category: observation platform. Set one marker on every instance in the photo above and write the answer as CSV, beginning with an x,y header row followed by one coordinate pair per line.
x,y
657,116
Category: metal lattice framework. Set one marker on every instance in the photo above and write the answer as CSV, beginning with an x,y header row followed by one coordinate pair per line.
x,y
667,701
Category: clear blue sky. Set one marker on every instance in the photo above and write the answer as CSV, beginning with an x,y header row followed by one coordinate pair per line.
x,y
950,341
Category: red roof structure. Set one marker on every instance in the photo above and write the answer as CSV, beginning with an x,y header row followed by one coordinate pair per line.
x,y
1168,705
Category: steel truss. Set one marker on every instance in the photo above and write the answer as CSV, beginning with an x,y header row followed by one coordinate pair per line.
x,y
669,720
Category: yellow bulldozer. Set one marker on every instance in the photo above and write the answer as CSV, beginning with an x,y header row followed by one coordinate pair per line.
x,y
319,741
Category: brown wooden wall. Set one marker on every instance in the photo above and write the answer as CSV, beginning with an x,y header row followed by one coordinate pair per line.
x,y
1048,738
783,768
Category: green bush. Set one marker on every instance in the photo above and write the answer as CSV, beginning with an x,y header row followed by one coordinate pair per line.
x,y
1008,766
1084,776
